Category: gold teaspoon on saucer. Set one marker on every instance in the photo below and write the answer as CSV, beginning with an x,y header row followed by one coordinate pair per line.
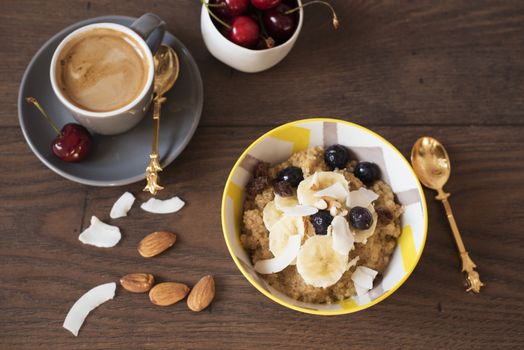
x,y
432,166
166,73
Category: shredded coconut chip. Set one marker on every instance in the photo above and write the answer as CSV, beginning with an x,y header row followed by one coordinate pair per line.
x,y
342,237
336,191
122,205
168,206
87,303
361,198
300,210
100,234
363,279
282,261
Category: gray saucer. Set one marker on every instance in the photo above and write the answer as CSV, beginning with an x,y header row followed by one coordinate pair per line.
x,y
120,159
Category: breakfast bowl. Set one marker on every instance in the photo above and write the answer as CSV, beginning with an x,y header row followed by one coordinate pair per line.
x,y
241,58
277,146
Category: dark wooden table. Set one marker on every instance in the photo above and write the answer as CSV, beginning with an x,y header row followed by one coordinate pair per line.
x,y
450,69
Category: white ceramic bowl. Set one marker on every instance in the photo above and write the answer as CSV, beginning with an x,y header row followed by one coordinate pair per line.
x,y
238,57
276,146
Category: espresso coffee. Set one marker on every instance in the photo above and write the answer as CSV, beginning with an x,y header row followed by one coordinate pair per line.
x,y
102,70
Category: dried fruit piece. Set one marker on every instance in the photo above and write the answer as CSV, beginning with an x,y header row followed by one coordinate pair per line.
x,y
257,185
202,294
137,282
155,243
283,189
385,216
168,293
261,170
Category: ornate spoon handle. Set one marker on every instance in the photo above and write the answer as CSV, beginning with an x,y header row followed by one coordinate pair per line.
x,y
154,165
468,266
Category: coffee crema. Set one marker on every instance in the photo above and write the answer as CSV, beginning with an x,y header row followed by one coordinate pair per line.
x,y
102,70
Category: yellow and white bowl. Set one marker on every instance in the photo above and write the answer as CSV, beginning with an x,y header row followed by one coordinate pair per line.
x,y
276,146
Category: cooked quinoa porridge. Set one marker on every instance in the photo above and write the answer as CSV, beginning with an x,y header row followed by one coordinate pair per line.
x,y
320,227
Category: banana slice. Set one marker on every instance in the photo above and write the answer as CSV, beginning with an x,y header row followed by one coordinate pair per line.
x,y
317,182
361,236
280,232
271,215
319,264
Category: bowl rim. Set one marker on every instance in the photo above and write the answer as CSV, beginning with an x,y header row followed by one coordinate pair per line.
x,y
299,308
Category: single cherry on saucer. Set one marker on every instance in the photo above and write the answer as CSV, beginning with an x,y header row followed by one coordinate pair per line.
x,y
73,143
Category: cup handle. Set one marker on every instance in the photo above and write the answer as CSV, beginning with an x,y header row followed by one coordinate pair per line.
x,y
151,28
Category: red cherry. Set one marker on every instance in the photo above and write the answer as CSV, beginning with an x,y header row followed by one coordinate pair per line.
x,y
73,143
244,31
280,25
229,8
265,4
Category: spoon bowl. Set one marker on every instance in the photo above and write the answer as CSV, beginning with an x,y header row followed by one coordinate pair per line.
x,y
166,69
431,162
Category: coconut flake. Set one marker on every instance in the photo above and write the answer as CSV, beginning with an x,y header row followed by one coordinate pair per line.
x,y
352,262
100,234
370,272
360,291
342,237
336,191
360,198
363,279
122,205
282,203
87,303
271,215
320,204
300,210
282,261
167,206
361,236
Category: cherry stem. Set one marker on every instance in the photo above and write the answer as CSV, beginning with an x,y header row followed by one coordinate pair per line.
x,y
37,105
335,18
215,16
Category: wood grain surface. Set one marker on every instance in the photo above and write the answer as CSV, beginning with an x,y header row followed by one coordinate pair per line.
x,y
450,69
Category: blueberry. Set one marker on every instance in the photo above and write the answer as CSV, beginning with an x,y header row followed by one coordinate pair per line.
x,y
292,174
367,172
360,218
336,157
321,221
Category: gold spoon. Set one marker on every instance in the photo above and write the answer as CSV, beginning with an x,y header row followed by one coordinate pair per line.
x,y
431,164
166,73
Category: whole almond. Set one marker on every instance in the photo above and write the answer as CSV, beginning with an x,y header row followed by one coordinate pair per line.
x,y
168,293
137,282
202,294
155,243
